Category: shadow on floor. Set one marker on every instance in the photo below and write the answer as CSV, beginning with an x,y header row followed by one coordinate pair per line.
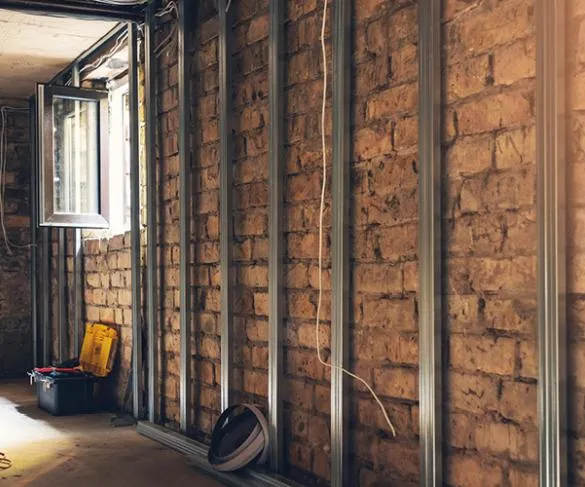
x,y
83,450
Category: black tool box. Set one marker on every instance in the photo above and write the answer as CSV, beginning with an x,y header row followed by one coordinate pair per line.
x,y
64,394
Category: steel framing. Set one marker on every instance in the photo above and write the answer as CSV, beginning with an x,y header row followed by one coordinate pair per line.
x,y
34,284
185,213
429,150
46,291
276,236
62,284
46,244
551,215
340,240
198,456
77,259
87,54
151,190
78,289
75,9
137,405
225,189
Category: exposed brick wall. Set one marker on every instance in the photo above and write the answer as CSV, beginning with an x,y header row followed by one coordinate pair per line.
x,y
490,363
250,199
307,382
205,366
106,287
15,292
384,202
107,295
490,236
168,241
575,247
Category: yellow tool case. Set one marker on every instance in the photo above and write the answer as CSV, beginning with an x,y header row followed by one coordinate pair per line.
x,y
68,389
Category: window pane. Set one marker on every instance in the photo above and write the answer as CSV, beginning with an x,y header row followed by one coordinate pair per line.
x,y
76,159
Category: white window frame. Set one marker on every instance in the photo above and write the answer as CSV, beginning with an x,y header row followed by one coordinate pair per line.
x,y
119,169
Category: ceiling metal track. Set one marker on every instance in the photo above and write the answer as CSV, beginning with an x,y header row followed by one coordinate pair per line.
x,y
80,9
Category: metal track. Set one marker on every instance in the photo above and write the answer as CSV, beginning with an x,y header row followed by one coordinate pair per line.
x,y
276,235
551,208
340,241
135,222
225,190
429,149
82,10
185,214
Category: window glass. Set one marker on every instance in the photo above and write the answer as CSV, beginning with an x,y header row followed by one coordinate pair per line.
x,y
75,156
119,143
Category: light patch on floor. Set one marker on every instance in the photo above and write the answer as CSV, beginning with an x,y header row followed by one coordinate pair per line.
x,y
83,450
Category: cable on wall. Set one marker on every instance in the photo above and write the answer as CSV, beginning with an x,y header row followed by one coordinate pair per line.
x,y
4,110
171,39
101,60
170,8
321,212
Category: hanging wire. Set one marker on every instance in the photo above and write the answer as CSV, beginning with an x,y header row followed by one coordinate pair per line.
x,y
3,163
171,39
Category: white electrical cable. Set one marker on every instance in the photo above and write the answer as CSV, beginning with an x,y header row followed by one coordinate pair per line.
x,y
321,212
117,46
3,162
168,41
171,38
169,7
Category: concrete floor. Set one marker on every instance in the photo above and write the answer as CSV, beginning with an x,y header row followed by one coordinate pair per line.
x,y
82,451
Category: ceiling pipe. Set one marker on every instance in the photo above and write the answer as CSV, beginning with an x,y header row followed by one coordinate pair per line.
x,y
79,9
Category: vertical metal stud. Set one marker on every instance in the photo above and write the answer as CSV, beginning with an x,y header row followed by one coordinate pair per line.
x,y
46,318
429,305
276,236
551,207
77,253
151,191
135,221
185,213
340,239
45,234
62,284
225,189
33,235
78,289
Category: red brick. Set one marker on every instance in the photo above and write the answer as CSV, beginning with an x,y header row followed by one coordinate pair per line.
x,y
393,101
300,394
378,278
472,393
520,478
467,78
483,354
397,382
371,142
463,471
494,112
470,155
397,314
519,402
487,27
507,439
515,62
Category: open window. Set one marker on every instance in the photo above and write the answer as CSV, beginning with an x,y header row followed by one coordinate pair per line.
x,y
73,151
119,162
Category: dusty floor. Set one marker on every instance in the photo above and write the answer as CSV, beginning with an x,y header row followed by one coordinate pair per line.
x,y
81,450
